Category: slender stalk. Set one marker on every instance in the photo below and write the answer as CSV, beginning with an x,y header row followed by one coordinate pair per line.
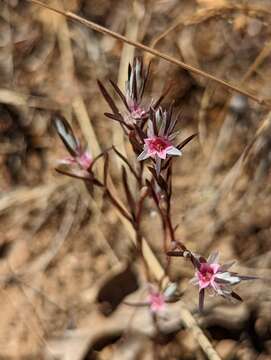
x,y
139,236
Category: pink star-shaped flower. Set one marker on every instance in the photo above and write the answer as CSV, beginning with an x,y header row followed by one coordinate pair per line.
x,y
210,275
158,146
206,275
157,301
83,159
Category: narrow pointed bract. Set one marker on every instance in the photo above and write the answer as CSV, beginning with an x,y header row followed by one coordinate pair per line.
x,y
78,156
135,109
134,89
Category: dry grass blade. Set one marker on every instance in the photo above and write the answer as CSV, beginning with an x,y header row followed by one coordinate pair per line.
x,y
22,196
235,171
264,53
35,328
207,13
154,52
227,127
24,101
42,262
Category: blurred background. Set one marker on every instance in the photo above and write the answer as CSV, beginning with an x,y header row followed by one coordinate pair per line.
x,y
65,259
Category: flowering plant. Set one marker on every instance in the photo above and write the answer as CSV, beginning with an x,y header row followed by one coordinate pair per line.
x,y
150,129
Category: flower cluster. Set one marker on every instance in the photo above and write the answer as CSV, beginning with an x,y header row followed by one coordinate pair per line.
x,y
134,90
132,99
216,278
150,128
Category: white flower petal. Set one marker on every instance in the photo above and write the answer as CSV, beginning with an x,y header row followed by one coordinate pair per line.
x,y
170,290
66,161
174,151
144,155
162,128
227,276
131,82
66,134
150,130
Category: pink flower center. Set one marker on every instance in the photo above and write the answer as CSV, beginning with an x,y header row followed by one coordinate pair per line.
x,y
84,160
158,144
157,301
206,274
137,112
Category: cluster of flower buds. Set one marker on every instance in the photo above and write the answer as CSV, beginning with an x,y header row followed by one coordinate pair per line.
x,y
136,109
157,299
79,163
134,91
149,127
